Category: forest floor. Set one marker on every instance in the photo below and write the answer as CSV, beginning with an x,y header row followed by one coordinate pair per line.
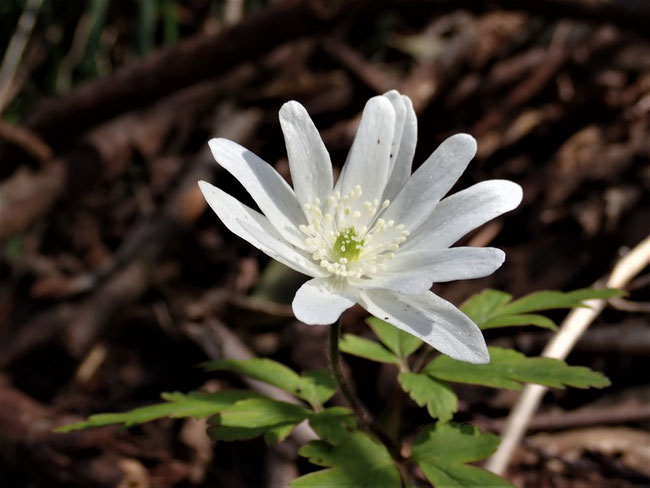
x,y
117,280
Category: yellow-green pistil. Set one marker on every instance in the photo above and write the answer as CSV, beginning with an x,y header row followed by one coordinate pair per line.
x,y
348,245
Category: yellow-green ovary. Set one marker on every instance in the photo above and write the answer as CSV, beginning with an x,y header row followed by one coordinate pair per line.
x,y
348,245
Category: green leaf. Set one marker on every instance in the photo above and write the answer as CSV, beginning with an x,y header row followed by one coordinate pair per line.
x,y
358,461
483,306
333,424
315,387
193,404
442,449
508,369
440,400
550,299
278,433
494,308
461,476
318,386
398,341
254,417
274,434
229,434
260,412
368,349
450,443
523,319
261,369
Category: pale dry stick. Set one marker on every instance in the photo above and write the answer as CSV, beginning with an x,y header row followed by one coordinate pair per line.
x,y
15,49
233,11
219,342
575,324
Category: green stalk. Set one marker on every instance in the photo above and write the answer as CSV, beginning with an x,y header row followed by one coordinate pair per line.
x,y
335,365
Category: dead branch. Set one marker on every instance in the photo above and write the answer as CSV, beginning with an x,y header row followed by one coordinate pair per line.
x,y
197,59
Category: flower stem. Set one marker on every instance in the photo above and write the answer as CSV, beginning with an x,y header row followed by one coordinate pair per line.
x,y
335,365
363,416
427,355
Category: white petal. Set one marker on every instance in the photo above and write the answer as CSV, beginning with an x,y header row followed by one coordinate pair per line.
x,y
399,107
256,229
405,283
272,194
456,263
401,170
309,161
434,320
464,211
321,301
431,181
369,157
414,272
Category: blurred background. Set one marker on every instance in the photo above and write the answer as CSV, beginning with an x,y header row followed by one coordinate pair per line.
x,y
117,280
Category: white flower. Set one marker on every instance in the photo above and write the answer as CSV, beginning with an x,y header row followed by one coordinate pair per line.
x,y
379,237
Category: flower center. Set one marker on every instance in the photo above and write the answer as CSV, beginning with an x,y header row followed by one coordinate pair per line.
x,y
347,237
348,245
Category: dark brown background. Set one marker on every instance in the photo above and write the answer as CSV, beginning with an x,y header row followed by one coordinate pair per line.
x,y
117,281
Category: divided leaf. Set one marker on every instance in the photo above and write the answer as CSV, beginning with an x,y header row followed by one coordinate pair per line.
x,y
358,346
461,476
494,308
440,399
509,369
358,460
484,305
441,451
261,369
451,443
315,387
521,319
550,299
177,405
256,416
274,434
398,341
260,412
333,424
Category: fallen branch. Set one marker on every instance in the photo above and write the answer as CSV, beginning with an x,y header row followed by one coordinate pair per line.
x,y
189,62
559,347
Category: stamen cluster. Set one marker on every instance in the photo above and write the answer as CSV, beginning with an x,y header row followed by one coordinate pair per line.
x,y
346,235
